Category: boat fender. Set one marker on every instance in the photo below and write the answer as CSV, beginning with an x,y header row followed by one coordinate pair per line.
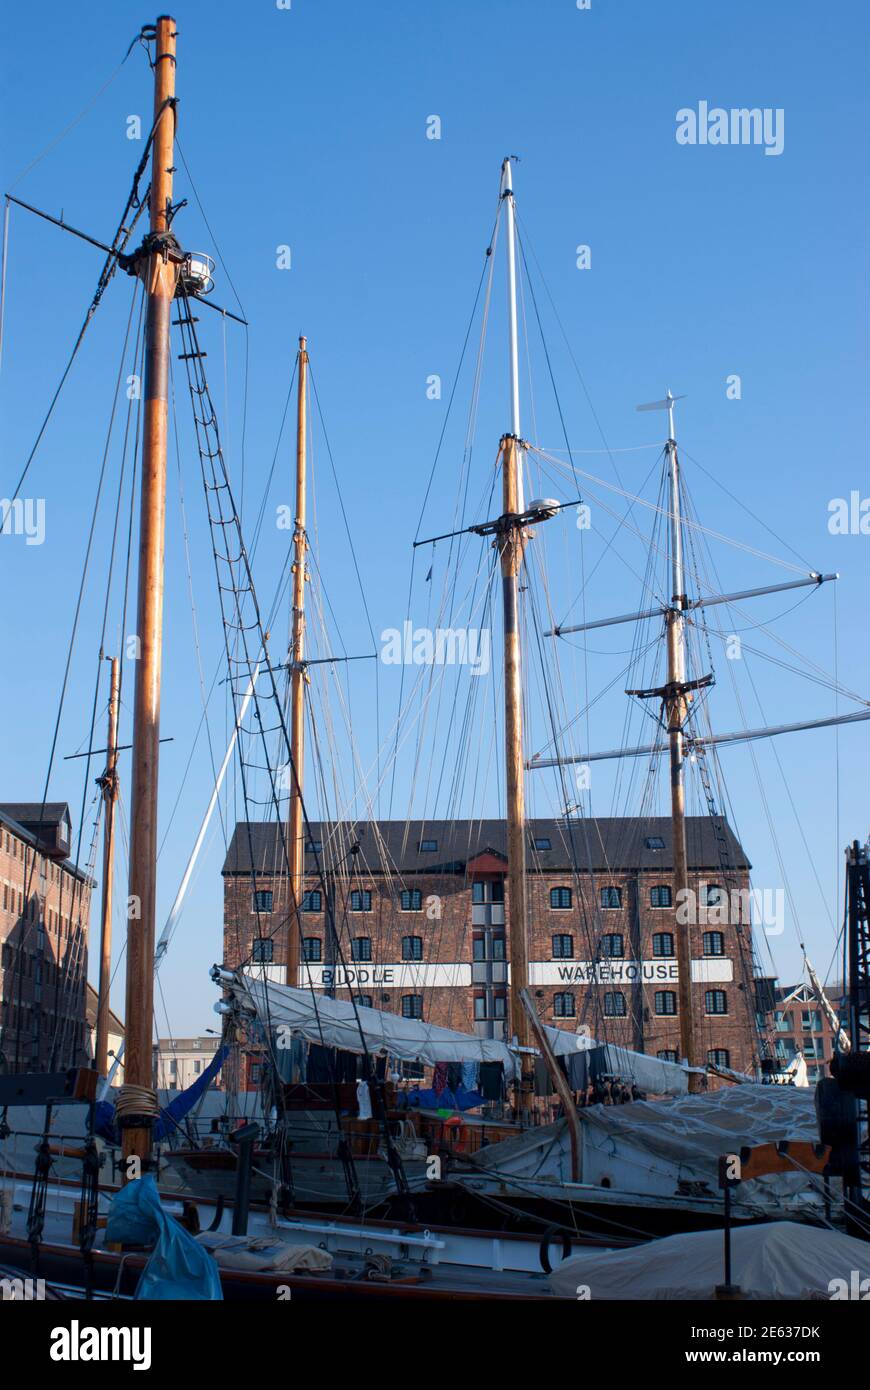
x,y
548,1236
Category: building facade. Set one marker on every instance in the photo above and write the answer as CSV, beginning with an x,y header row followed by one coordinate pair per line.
x,y
802,1029
179,1061
116,1035
420,921
45,904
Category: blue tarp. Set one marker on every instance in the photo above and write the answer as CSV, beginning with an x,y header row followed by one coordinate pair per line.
x,y
179,1268
444,1100
171,1114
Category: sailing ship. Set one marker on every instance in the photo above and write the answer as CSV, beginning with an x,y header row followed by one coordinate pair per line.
x,y
418,1260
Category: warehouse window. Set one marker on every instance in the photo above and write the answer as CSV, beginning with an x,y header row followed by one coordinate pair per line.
x,y
263,951
312,948
560,897
412,948
611,896
715,1001
654,842
564,1006
660,895
428,847
663,944
312,901
614,1004
411,900
361,900
263,900
613,946
714,943
563,946
541,842
361,948
719,1057
666,1002
667,1054
412,1006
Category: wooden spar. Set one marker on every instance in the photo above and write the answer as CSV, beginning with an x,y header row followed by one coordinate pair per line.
x,y
563,1090
298,678
160,274
676,710
109,788
512,544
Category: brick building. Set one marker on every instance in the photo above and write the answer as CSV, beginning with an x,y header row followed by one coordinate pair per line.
x,y
419,910
44,915
801,1027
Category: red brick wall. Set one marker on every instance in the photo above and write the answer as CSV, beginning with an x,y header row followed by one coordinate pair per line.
x,y
448,939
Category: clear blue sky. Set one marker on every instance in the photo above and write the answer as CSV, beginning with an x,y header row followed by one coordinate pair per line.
x,y
307,127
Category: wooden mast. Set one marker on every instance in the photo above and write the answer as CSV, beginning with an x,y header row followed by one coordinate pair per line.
x,y
512,542
676,707
160,274
109,788
298,677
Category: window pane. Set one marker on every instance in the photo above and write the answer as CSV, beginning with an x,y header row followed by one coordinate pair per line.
x,y
663,944
560,897
611,897
660,895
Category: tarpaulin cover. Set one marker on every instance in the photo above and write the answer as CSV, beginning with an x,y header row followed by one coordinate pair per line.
x,y
337,1023
779,1260
178,1267
659,1147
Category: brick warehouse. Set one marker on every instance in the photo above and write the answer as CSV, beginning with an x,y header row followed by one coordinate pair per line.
x,y
43,940
419,910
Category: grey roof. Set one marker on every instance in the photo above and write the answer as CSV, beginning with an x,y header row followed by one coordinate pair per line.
x,y
30,813
610,843
23,817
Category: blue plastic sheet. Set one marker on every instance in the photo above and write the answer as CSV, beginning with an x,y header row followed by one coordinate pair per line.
x,y
179,1268
104,1119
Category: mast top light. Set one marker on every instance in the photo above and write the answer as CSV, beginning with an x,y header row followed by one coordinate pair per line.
x,y
197,273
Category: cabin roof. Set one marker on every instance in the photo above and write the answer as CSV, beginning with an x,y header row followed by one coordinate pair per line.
x,y
614,843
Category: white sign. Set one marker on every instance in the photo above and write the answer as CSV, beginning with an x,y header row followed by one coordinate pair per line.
x,y
626,972
402,975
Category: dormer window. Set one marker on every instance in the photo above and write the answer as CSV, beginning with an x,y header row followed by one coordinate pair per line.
x,y
654,842
428,847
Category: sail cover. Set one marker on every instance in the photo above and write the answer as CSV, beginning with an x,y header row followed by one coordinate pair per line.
x,y
778,1260
336,1023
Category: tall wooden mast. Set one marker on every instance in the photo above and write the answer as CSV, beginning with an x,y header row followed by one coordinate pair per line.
x,y
159,272
109,788
676,709
512,542
297,676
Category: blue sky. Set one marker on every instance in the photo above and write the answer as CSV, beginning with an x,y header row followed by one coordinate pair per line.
x,y
307,127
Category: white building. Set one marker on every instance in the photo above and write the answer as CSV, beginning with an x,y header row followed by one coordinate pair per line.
x,y
181,1060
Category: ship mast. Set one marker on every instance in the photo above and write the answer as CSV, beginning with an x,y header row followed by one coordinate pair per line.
x,y
298,677
159,270
511,543
676,709
109,789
